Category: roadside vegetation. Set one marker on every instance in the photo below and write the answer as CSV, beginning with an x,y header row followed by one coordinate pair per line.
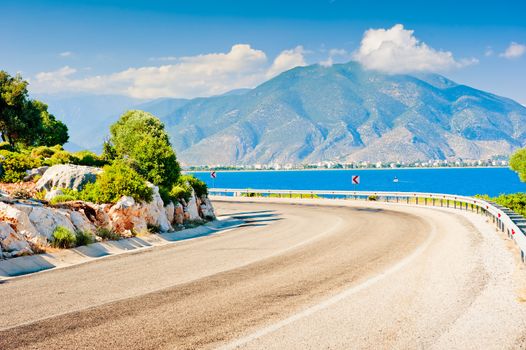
x,y
138,150
514,201
63,237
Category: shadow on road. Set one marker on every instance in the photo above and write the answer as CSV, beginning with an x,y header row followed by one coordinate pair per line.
x,y
251,212
372,210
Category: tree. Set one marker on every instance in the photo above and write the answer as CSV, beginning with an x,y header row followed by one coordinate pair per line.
x,y
518,163
15,117
52,131
141,138
26,121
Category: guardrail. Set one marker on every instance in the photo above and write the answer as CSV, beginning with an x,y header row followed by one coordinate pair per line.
x,y
505,219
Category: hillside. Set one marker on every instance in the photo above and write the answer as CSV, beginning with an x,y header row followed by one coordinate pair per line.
x,y
344,113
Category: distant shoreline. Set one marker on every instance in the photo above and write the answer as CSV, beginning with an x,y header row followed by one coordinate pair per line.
x,y
348,169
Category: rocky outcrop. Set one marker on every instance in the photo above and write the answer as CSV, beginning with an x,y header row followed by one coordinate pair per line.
x,y
25,224
12,244
192,208
67,176
179,214
128,215
19,220
206,209
46,219
31,174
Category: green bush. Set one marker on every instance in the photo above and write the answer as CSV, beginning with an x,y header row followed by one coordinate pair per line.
x,y
518,163
117,180
140,137
165,195
62,157
106,234
40,195
89,158
14,165
181,191
43,151
83,238
515,201
372,198
200,188
153,228
62,199
63,238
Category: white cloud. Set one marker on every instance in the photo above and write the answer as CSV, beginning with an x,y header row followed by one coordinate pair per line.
x,y
66,54
286,60
164,58
397,50
514,50
201,75
489,51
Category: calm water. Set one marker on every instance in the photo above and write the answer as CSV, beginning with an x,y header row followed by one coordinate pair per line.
x,y
462,181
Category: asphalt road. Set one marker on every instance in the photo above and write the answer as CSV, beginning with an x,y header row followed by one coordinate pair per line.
x,y
254,286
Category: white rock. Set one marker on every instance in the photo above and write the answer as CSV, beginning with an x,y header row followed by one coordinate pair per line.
x,y
154,211
170,212
207,209
12,242
124,203
46,220
30,174
81,222
52,194
126,214
192,209
67,176
18,216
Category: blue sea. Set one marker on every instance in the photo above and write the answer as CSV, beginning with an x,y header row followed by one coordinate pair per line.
x,y
461,181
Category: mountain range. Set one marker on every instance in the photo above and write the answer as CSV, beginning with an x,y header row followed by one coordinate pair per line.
x,y
309,114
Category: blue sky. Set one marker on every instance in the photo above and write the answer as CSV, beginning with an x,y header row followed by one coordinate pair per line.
x,y
149,49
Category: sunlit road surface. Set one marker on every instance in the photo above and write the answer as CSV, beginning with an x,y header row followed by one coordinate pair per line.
x,y
293,277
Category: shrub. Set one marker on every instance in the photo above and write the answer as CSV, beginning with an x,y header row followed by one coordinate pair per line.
x,y
106,234
62,157
165,195
63,238
117,180
200,188
518,163
83,238
43,151
372,198
141,138
62,199
153,228
14,165
181,191
89,158
40,195
515,201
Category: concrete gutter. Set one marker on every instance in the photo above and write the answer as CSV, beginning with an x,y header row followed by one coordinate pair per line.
x,y
24,265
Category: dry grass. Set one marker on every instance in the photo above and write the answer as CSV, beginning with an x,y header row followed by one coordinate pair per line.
x,y
13,187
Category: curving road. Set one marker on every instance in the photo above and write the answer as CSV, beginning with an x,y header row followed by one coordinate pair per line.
x,y
295,276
